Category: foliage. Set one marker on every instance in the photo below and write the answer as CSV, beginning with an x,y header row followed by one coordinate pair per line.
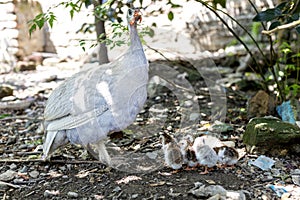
x,y
40,20
284,17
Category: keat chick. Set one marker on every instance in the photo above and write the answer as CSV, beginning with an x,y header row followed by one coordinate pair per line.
x,y
172,152
227,155
206,155
187,151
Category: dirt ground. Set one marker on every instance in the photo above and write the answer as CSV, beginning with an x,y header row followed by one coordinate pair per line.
x,y
72,174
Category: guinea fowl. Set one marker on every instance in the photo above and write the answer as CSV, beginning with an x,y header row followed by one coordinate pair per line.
x,y
98,100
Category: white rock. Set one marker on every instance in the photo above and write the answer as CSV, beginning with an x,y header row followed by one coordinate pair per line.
x,y
8,175
34,174
73,194
50,193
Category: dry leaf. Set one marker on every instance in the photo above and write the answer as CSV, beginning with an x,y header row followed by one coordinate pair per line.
x,y
157,184
128,179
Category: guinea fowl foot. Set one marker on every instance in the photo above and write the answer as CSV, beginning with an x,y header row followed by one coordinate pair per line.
x,y
205,171
175,171
225,166
190,168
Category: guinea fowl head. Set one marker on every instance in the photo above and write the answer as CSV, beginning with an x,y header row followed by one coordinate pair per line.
x,y
134,16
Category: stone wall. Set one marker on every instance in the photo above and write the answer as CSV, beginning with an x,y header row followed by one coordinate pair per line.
x,y
8,35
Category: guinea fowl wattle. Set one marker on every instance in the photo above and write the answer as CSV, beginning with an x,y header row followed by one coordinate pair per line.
x,y
98,100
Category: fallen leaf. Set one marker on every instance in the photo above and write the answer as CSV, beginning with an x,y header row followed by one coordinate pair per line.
x,y
54,174
157,184
128,179
85,173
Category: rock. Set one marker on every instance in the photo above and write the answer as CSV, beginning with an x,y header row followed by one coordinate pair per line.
x,y
73,194
260,105
8,175
272,135
52,61
25,66
214,192
5,91
51,193
296,176
34,174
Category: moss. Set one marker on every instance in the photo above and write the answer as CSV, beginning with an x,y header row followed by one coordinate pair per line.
x,y
271,132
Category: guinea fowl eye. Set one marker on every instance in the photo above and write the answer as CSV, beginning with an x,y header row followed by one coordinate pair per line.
x,y
130,12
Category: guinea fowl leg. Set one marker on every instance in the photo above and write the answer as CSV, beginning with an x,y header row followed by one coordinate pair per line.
x,y
100,153
205,171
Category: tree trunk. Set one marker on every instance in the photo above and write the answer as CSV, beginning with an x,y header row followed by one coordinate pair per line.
x,y
100,29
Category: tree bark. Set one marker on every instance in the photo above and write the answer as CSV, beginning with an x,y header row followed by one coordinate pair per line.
x,y
100,29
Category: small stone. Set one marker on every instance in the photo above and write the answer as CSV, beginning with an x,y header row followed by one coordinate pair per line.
x,y
5,91
34,174
188,103
8,175
134,196
11,140
261,104
24,169
13,166
194,116
25,66
73,194
51,193
117,189
62,168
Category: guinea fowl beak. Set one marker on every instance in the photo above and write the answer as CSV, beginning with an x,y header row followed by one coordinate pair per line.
x,y
137,16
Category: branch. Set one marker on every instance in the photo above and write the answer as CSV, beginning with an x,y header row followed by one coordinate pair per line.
x,y
51,161
282,27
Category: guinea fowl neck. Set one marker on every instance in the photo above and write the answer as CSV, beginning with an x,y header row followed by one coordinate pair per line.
x,y
135,41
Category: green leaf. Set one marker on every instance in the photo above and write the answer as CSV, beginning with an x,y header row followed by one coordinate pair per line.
x,y
274,25
4,116
170,15
221,2
298,29
32,28
267,15
72,13
51,19
40,23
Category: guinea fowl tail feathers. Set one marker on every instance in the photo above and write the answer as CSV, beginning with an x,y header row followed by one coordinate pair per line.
x,y
50,136
54,139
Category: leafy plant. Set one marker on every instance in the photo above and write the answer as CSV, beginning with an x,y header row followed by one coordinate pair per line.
x,y
40,20
283,17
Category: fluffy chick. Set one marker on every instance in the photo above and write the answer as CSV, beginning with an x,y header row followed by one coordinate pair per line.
x,y
208,140
227,155
172,152
187,151
205,154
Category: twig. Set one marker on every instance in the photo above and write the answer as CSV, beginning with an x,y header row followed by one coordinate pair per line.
x,y
282,27
19,117
9,184
52,161
160,53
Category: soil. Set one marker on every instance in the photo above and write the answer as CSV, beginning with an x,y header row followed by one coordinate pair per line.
x,y
72,174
